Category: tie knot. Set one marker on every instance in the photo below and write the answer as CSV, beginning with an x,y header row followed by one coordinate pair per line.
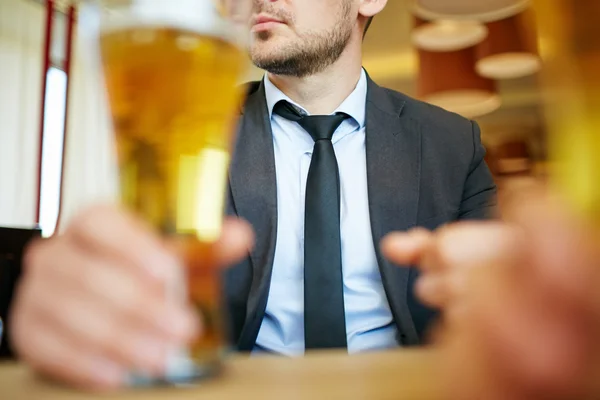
x,y
320,127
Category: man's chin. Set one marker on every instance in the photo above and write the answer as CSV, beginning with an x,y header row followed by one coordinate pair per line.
x,y
264,63
275,66
267,52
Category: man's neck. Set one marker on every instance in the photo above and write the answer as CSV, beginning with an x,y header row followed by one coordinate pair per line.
x,y
322,93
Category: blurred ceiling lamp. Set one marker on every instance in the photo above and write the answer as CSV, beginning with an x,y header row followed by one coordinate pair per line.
x,y
449,80
480,10
510,50
447,35
515,166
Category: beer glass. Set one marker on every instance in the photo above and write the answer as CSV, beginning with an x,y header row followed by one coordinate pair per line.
x,y
171,70
571,82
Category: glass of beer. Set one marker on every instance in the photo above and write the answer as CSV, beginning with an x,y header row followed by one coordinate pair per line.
x,y
571,83
171,71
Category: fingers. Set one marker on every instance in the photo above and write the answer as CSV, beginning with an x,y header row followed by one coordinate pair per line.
x,y
406,248
236,241
458,250
65,362
109,232
101,308
446,256
99,332
119,290
434,291
470,244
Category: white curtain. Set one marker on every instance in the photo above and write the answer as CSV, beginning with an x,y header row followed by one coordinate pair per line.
x,y
90,165
21,49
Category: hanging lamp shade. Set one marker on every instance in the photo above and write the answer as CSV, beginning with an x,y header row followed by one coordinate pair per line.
x,y
449,80
447,35
510,49
480,10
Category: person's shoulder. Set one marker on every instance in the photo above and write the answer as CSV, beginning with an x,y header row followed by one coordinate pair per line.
x,y
247,89
429,114
251,87
442,131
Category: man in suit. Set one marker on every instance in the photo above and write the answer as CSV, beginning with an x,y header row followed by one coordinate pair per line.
x,y
326,164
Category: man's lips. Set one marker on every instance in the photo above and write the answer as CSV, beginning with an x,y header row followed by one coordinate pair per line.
x,y
263,23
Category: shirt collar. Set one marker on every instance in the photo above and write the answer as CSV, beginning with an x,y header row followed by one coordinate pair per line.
x,y
354,105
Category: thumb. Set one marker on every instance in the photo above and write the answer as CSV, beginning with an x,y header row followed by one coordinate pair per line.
x,y
236,242
406,248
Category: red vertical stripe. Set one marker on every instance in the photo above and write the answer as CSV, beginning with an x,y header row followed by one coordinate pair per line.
x,y
46,67
68,65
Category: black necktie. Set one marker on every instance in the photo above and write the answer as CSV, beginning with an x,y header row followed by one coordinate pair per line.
x,y
324,317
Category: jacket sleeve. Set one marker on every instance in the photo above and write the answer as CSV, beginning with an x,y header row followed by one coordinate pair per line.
x,y
479,198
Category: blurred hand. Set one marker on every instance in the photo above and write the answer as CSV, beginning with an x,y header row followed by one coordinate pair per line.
x,y
92,304
520,301
448,256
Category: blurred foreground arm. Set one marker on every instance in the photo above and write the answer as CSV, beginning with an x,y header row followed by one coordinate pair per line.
x,y
520,299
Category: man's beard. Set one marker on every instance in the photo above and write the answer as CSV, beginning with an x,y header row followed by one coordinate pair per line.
x,y
313,53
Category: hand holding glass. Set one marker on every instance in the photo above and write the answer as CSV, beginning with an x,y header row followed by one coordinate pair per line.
x,y
171,70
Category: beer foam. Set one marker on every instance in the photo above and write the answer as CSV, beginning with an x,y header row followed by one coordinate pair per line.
x,y
199,16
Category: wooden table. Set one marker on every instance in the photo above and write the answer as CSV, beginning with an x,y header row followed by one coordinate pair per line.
x,y
394,375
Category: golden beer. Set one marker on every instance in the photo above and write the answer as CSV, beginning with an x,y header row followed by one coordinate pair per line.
x,y
174,100
571,33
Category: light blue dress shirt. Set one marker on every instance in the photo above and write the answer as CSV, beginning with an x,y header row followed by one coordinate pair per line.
x,y
369,322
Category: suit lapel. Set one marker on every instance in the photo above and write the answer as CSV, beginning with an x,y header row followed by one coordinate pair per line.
x,y
253,187
393,148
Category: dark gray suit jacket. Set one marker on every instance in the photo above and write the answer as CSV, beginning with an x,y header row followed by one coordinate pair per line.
x,y
425,167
